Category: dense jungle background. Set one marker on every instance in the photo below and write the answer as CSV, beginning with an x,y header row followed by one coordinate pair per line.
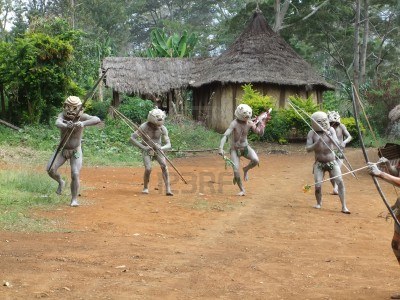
x,y
50,49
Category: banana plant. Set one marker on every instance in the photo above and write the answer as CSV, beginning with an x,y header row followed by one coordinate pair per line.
x,y
162,45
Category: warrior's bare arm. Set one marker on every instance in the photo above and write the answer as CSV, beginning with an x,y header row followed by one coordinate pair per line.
x,y
311,145
166,140
259,125
224,138
62,123
135,141
346,134
88,120
84,120
374,171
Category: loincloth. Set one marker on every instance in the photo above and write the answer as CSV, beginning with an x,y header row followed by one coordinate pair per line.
x,y
244,151
71,153
325,166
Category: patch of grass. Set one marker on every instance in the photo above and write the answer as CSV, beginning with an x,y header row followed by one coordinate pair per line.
x,y
102,145
22,191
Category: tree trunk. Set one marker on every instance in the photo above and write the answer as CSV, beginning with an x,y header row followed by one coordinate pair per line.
x,y
280,13
171,105
356,50
363,52
100,87
2,100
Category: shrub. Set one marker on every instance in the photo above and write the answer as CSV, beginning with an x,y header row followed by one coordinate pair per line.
x,y
255,100
97,108
136,109
298,126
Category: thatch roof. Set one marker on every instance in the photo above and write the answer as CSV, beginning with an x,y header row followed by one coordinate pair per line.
x,y
258,55
148,75
261,55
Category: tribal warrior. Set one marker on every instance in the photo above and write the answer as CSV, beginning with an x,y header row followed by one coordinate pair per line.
x,y
344,138
321,140
239,128
153,133
71,123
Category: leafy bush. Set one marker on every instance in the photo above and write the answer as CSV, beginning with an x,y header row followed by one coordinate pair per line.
x,y
255,100
296,126
276,129
97,108
136,109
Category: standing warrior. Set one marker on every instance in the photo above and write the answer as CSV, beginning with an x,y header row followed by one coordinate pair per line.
x,y
70,122
239,128
154,130
320,140
344,138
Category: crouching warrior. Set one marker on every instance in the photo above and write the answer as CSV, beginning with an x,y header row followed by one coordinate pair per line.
x,y
239,128
153,133
71,123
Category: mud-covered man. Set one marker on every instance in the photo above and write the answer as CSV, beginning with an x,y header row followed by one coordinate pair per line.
x,y
239,129
343,137
154,140
71,123
322,140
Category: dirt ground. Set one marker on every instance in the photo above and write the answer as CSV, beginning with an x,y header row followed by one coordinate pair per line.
x,y
205,242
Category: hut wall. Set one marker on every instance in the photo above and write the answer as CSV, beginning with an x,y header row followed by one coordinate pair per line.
x,y
214,105
223,108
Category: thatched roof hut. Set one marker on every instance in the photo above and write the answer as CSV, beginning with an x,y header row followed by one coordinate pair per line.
x,y
259,56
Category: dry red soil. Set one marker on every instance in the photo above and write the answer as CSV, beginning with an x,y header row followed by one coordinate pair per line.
x,y
205,242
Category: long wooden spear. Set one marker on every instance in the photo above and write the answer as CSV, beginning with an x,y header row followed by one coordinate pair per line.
x,y
148,140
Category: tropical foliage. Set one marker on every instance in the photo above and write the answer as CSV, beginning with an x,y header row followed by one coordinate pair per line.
x,y
175,45
52,48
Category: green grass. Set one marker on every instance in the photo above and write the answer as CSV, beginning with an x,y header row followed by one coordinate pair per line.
x,y
102,145
22,191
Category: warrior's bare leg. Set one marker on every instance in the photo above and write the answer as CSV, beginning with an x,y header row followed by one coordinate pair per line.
x,y
236,172
53,172
334,184
161,160
147,172
254,161
318,177
341,189
76,166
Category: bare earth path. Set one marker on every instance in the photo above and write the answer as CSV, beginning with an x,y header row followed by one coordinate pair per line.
x,y
205,242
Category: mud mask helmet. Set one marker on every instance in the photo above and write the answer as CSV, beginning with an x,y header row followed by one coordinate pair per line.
x,y
333,117
320,121
72,107
156,116
243,112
